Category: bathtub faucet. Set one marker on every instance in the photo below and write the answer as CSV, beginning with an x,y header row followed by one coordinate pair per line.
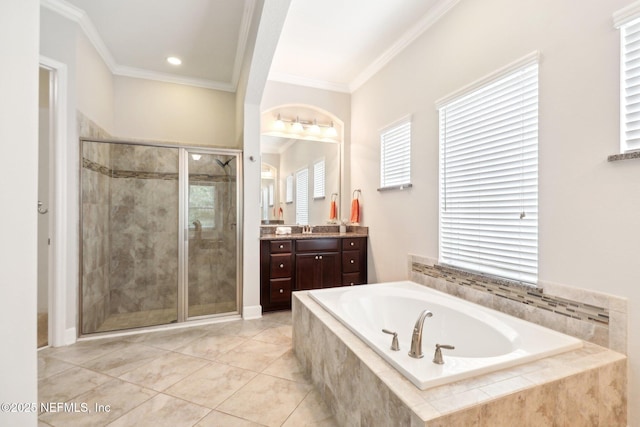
x,y
416,338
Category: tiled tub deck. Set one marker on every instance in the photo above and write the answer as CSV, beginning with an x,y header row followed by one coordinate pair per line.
x,y
585,387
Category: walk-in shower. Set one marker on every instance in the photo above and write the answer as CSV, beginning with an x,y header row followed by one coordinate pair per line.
x,y
160,241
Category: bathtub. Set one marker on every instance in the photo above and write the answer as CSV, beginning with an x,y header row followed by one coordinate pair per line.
x,y
485,340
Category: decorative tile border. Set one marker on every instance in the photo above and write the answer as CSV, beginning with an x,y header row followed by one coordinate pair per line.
x,y
167,176
517,292
592,316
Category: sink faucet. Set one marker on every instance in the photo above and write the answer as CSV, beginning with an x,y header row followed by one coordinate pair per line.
x,y
416,338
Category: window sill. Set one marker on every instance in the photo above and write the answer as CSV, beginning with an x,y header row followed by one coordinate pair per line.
x,y
624,156
396,187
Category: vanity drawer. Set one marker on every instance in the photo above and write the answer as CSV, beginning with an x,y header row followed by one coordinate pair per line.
x,y
351,279
352,243
280,246
318,245
280,266
350,261
280,290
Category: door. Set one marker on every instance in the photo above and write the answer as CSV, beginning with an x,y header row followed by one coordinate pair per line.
x,y
44,190
212,233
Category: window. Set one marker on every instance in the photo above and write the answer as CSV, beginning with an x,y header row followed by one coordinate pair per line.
x,y
489,175
289,189
202,202
318,179
302,197
630,85
395,155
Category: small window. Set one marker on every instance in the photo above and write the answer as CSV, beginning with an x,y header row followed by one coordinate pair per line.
x,y
202,202
489,176
289,189
302,197
630,84
318,179
395,155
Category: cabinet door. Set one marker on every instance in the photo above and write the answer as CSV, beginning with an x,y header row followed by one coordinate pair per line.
x,y
330,269
307,271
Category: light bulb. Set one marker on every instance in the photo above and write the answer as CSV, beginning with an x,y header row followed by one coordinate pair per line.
x,y
314,128
297,126
331,131
278,124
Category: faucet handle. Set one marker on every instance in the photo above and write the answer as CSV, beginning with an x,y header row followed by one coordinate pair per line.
x,y
437,357
395,346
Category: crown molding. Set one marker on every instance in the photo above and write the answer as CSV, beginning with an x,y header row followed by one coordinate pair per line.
x,y
140,73
626,14
79,16
433,16
304,81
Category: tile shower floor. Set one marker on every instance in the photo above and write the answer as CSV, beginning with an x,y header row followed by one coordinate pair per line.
x,y
240,373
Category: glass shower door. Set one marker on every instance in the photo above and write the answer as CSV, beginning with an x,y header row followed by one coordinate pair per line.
x,y
212,233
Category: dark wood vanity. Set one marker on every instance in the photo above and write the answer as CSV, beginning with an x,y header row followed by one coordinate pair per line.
x,y
302,262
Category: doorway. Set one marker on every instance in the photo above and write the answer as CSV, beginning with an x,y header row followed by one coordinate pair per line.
x,y
159,236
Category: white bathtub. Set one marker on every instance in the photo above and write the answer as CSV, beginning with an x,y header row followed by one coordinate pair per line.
x,y
485,340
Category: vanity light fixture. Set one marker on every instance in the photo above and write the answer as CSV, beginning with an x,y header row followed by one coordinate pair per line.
x,y
311,128
174,60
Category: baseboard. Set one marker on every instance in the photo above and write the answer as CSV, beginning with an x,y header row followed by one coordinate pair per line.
x,y
252,312
70,336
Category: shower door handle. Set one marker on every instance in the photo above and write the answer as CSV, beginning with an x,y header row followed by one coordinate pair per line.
x,y
42,210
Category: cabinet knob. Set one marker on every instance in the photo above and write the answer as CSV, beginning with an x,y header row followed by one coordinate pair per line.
x,y
320,256
281,246
281,265
316,256
352,261
352,243
351,284
281,291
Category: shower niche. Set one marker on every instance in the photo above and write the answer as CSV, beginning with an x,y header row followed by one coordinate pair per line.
x,y
159,234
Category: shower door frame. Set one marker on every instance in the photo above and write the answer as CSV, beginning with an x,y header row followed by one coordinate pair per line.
x,y
182,288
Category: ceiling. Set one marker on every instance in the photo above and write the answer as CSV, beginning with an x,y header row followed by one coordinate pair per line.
x,y
333,44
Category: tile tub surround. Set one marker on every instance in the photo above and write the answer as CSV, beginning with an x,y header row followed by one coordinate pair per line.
x,y
582,387
591,316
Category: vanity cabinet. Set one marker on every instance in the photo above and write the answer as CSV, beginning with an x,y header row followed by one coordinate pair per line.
x,y
309,263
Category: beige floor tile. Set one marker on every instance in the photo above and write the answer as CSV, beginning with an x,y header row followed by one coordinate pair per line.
x,y
279,316
118,362
163,411
172,339
253,355
164,371
69,384
211,385
48,366
84,351
279,335
211,346
311,411
287,367
114,398
267,400
248,328
218,419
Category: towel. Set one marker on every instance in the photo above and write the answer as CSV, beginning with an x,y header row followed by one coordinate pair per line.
x,y
333,211
355,211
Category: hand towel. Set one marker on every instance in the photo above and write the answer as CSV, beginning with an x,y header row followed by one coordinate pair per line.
x,y
355,211
333,211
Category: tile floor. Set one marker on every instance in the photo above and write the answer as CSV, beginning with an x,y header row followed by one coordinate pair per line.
x,y
237,374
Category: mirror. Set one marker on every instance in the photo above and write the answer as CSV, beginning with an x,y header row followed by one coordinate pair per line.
x,y
300,178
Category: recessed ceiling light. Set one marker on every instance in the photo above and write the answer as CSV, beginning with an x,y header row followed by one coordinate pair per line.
x,y
173,60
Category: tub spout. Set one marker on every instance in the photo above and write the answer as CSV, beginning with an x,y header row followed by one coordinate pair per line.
x,y
416,338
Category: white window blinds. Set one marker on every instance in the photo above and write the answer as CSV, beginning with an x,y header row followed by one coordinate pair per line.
x,y
395,155
302,197
318,179
489,177
630,97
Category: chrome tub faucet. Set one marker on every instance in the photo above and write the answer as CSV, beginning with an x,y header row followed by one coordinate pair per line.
x,y
416,338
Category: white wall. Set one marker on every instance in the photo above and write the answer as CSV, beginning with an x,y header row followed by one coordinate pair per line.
x,y
589,222
155,110
18,218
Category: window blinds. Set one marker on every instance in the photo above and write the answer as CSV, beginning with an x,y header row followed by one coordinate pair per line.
x,y
489,178
302,197
630,100
395,154
318,179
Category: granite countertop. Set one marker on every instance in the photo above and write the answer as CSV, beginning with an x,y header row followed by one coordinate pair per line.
x,y
298,236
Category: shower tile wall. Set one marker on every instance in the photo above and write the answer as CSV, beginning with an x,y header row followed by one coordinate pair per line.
x,y
95,238
143,228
